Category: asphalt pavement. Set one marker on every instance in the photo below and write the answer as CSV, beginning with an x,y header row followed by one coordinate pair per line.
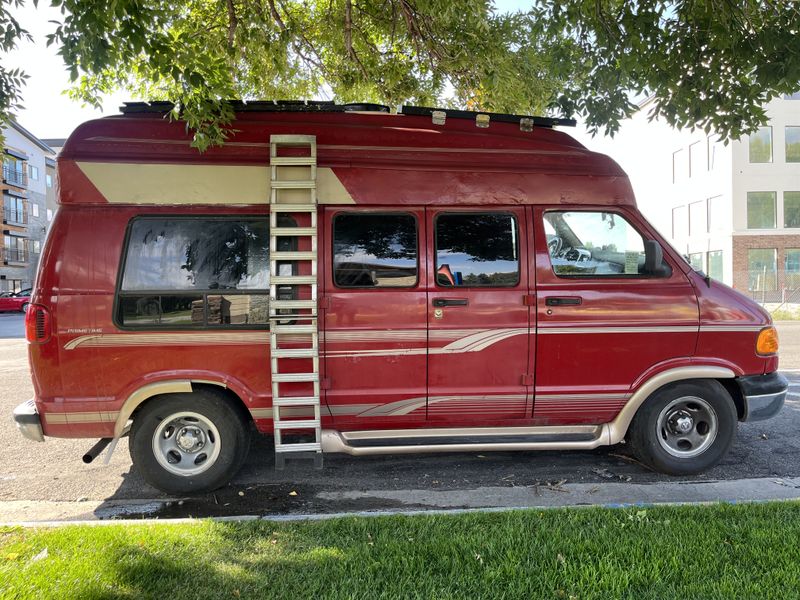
x,y
48,481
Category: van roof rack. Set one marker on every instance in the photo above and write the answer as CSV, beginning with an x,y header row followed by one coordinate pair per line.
x,y
130,108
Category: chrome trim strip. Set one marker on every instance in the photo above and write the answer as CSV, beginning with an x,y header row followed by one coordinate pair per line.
x,y
69,418
731,328
385,434
619,329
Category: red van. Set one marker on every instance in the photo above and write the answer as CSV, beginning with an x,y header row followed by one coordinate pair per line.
x,y
356,281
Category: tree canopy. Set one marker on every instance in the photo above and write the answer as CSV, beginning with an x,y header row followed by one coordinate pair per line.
x,y
709,63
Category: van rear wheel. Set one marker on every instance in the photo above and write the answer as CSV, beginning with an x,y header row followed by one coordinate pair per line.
x,y
184,443
684,428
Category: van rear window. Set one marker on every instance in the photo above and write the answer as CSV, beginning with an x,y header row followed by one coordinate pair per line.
x,y
196,272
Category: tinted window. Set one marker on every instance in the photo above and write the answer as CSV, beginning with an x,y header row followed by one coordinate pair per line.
x,y
374,250
477,250
207,272
197,254
595,244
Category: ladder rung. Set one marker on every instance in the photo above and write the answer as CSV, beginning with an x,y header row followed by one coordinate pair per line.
x,y
280,304
293,231
293,161
292,329
283,208
293,184
299,424
293,255
299,447
292,139
295,353
296,401
295,377
293,280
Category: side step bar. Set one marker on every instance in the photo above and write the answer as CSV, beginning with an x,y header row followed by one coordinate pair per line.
x,y
475,439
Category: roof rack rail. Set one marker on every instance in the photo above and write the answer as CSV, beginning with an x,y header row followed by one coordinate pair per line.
x,y
427,111
159,107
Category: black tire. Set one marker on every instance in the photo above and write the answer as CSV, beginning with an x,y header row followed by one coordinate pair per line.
x,y
650,439
233,438
24,307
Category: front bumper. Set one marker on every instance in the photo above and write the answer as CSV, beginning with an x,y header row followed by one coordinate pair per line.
x,y
764,395
28,422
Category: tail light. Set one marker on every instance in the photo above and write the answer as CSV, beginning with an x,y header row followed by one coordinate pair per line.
x,y
37,324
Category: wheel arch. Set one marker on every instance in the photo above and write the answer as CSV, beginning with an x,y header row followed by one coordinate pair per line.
x,y
618,428
151,391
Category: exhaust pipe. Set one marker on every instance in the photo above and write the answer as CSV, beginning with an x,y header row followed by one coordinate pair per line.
x,y
95,450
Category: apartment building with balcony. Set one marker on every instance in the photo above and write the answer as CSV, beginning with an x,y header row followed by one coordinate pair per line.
x,y
733,209
28,178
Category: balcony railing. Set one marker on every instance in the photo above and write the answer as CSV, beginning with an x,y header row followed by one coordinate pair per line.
x,y
15,177
12,215
16,255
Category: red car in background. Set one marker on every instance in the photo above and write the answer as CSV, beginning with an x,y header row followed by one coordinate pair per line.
x,y
17,302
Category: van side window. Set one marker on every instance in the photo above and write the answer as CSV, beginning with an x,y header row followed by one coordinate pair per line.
x,y
374,250
195,272
597,244
477,250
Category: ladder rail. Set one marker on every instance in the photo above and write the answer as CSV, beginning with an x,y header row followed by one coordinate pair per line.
x,y
294,321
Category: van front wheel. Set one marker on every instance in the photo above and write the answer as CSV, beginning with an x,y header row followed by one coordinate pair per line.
x,y
184,443
684,428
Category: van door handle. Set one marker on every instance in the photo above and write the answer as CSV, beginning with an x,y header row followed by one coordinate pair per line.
x,y
450,302
563,301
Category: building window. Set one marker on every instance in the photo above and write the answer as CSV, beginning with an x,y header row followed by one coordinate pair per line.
x,y
696,260
791,209
48,180
14,171
49,215
762,267
37,246
34,209
680,223
197,272
680,170
761,145
14,210
714,148
33,172
374,250
792,268
761,213
698,217
698,161
793,144
715,264
717,214
14,249
476,250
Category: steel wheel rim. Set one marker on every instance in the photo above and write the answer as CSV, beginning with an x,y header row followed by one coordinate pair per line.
x,y
186,443
687,427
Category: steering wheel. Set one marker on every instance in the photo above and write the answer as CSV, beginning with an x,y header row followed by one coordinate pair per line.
x,y
554,245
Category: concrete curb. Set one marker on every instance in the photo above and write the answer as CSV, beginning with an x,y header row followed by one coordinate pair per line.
x,y
444,502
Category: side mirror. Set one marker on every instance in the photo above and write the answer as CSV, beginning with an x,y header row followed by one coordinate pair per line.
x,y
654,260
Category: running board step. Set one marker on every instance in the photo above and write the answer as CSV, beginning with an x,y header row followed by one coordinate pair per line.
x,y
295,377
296,401
477,439
293,280
293,255
295,353
293,208
293,231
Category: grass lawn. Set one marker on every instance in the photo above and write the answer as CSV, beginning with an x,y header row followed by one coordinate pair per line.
x,y
744,551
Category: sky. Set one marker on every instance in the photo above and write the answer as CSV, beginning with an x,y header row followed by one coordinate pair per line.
x,y
49,113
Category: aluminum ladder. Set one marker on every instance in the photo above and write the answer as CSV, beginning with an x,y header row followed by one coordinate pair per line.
x,y
294,334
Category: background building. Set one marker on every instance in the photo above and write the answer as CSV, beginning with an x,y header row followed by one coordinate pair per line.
x,y
733,209
28,180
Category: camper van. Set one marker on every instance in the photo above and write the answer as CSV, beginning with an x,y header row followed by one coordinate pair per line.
x,y
353,280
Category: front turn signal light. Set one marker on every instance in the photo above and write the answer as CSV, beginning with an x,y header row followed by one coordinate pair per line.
x,y
767,341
